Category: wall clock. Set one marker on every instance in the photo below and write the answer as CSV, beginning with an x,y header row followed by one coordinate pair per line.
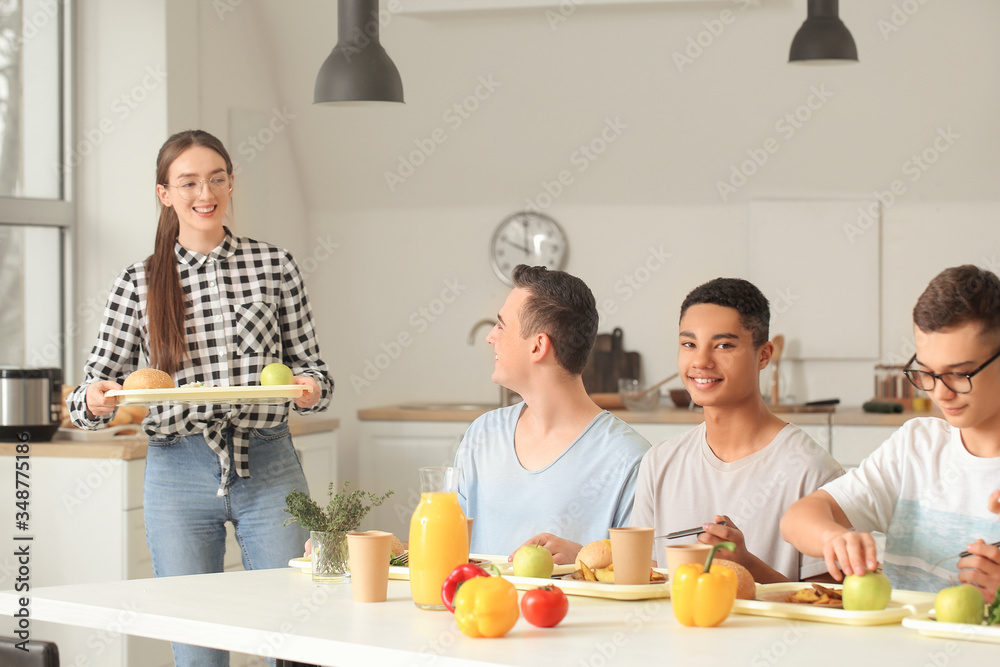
x,y
528,238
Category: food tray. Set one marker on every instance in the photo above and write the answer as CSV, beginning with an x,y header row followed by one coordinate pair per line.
x,y
901,605
926,625
501,563
121,432
261,395
597,589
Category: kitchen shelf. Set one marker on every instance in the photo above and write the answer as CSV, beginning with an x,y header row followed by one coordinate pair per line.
x,y
427,6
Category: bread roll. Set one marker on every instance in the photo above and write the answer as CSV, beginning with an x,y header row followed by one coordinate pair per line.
x,y
746,589
596,555
148,378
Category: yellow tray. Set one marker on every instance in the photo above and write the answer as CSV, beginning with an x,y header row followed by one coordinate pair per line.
x,y
402,572
901,605
926,625
260,395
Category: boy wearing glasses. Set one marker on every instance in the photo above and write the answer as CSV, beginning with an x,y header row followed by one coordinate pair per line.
x,y
930,488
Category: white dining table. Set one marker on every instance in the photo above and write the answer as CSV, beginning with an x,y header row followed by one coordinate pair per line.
x,y
282,613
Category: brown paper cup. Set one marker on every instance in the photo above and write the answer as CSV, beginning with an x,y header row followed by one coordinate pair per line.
x,y
468,522
369,554
678,554
632,554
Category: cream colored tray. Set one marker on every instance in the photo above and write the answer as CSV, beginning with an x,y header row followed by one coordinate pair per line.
x,y
269,395
122,432
597,589
926,625
501,563
901,605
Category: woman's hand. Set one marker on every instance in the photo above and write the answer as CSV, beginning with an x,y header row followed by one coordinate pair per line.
x,y
716,532
563,551
994,502
97,403
308,398
981,568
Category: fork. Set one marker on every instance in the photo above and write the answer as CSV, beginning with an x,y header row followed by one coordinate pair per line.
x,y
401,559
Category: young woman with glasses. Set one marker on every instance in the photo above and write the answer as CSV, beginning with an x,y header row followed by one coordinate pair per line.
x,y
208,307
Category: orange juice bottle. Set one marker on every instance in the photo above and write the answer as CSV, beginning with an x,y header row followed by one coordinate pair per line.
x,y
439,536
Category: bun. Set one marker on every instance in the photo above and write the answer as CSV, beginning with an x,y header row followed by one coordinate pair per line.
x,y
596,555
148,378
746,589
397,547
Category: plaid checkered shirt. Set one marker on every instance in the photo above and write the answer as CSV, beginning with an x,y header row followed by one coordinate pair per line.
x,y
247,307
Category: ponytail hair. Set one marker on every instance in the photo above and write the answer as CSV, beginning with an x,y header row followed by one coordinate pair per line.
x,y
166,305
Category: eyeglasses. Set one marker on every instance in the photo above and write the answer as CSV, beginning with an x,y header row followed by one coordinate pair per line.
x,y
190,188
960,383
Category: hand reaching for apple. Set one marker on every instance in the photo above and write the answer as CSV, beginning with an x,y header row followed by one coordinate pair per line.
x,y
563,551
855,553
981,568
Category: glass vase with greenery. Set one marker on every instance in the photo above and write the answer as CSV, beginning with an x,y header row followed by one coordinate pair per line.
x,y
328,527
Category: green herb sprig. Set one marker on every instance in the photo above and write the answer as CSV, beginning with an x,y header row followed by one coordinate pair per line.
x,y
344,512
993,611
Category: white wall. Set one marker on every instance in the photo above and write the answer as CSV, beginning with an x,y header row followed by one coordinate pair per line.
x,y
375,256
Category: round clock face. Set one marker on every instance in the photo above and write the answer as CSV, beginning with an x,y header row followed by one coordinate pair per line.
x,y
528,238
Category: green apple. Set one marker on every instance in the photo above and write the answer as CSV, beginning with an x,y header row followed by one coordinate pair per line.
x,y
959,604
533,560
867,592
276,374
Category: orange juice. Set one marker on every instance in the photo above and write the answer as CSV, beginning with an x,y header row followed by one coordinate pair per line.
x,y
439,542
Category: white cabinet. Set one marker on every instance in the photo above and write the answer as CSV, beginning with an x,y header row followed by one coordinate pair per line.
x,y
86,517
851,444
657,433
390,454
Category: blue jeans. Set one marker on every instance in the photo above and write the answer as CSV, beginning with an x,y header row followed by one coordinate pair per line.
x,y
185,519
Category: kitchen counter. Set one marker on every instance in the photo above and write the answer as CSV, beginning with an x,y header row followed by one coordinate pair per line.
x,y
130,447
845,416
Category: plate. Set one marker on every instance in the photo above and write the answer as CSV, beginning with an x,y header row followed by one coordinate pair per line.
x,y
926,625
269,395
901,605
303,563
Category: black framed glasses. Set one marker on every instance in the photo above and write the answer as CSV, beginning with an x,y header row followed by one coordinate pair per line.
x,y
960,383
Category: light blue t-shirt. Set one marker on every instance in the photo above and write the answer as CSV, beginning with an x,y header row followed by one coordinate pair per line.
x,y
928,494
586,490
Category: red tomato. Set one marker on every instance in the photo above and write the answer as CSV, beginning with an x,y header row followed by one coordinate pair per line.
x,y
544,606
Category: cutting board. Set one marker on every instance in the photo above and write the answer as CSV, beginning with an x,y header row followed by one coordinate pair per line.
x,y
608,362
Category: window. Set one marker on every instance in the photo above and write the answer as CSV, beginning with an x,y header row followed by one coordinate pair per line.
x,y
36,214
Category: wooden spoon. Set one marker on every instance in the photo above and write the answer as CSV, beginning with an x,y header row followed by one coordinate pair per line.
x,y
657,385
779,345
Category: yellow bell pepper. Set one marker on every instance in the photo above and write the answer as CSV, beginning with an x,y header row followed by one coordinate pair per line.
x,y
703,595
486,607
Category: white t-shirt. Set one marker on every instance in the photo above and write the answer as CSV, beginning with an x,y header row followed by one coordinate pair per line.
x,y
683,484
578,496
928,494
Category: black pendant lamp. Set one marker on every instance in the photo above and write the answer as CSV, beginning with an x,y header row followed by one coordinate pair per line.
x,y
358,69
823,38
